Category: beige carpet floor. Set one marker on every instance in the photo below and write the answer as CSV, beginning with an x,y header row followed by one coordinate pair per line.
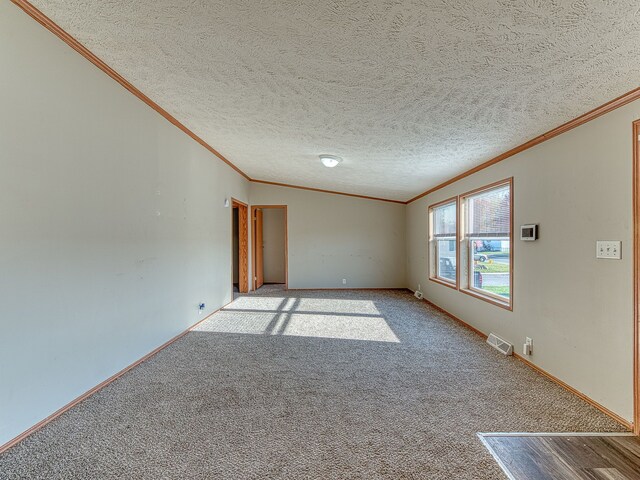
x,y
307,385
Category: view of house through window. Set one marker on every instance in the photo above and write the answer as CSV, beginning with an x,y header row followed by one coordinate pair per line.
x,y
488,237
444,240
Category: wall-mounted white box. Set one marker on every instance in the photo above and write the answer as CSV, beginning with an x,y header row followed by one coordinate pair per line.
x,y
610,249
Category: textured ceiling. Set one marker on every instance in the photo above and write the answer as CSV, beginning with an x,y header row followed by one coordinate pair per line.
x,y
409,93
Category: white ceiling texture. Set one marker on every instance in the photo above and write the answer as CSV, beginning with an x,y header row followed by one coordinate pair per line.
x,y
409,93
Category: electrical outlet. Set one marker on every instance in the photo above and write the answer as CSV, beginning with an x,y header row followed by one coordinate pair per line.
x,y
344,281
527,348
609,249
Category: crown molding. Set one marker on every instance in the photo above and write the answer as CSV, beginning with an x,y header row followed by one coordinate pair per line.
x,y
54,28
50,25
565,127
313,189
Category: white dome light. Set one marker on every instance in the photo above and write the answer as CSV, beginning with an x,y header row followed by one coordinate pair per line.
x,y
330,160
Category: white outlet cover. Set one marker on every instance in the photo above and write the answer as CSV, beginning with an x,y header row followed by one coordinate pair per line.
x,y
609,249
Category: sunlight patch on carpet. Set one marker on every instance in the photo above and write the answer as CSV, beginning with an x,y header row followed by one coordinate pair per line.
x,y
337,319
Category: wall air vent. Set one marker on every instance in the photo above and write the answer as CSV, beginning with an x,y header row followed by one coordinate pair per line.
x,y
499,344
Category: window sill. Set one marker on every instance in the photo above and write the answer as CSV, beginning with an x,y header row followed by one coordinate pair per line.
x,y
498,303
444,282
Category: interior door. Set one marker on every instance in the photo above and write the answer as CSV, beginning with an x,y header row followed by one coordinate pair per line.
x,y
259,250
243,224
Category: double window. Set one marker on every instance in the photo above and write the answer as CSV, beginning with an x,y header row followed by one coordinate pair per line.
x,y
476,256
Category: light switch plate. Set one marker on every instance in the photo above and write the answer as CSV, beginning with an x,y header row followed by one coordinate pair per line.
x,y
610,249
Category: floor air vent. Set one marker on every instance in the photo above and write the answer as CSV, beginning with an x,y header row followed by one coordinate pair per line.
x,y
499,344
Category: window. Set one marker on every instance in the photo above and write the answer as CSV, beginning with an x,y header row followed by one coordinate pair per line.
x,y
487,243
443,243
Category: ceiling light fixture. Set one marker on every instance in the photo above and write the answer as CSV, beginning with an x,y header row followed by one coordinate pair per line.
x,y
330,160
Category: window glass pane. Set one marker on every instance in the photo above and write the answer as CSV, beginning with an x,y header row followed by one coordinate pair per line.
x,y
488,233
446,258
488,213
444,220
490,261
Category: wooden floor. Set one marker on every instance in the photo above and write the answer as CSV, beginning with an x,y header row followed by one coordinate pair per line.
x,y
571,457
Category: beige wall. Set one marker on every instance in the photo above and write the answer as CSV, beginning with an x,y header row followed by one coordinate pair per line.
x,y
113,225
578,310
332,237
273,233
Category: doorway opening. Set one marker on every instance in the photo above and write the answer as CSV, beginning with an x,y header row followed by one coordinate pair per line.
x,y
270,246
239,248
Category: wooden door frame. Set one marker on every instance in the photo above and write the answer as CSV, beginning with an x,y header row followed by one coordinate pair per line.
x,y
636,277
258,251
253,243
243,245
